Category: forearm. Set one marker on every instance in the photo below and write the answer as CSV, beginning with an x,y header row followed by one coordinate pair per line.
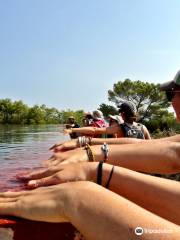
x,y
102,215
98,141
89,130
83,130
152,193
175,138
151,158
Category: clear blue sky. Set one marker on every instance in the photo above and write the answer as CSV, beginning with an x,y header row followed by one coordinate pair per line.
x,y
68,53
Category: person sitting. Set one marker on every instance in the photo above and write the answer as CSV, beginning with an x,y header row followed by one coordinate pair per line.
x,y
114,120
88,119
98,119
92,121
72,124
125,131
130,128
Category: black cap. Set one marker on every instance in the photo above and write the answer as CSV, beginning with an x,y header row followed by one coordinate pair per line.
x,y
128,107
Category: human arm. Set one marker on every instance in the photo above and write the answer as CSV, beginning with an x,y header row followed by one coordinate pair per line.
x,y
95,131
96,212
86,130
97,141
152,193
72,144
151,158
146,133
163,157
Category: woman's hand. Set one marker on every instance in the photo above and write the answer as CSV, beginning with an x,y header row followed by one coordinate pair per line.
x,y
67,131
72,156
48,204
65,146
61,173
42,204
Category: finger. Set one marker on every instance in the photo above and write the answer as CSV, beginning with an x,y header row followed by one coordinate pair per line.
x,y
66,132
10,194
2,200
47,162
51,148
42,173
52,180
56,162
52,158
58,148
54,146
30,174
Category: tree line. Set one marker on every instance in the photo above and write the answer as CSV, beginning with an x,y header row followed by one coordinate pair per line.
x,y
17,112
152,105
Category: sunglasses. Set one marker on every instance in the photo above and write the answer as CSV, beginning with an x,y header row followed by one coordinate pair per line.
x,y
170,95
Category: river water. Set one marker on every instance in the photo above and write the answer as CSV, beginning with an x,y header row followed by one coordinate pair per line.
x,y
23,148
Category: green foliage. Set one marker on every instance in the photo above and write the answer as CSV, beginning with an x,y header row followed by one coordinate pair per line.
x,y
164,123
19,113
107,110
6,110
78,115
36,115
177,128
152,105
150,102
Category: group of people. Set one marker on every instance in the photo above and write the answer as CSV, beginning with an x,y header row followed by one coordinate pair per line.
x,y
100,186
124,125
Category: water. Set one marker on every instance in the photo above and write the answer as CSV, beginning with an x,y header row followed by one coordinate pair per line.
x,y
23,148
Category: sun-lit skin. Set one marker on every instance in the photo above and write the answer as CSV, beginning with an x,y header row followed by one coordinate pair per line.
x,y
176,104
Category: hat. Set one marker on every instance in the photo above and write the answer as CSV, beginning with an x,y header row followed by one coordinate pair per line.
x,y
88,115
71,117
128,107
170,85
117,118
97,114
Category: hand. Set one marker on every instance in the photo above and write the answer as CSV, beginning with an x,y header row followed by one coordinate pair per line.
x,y
57,157
43,204
62,147
67,131
61,173
72,156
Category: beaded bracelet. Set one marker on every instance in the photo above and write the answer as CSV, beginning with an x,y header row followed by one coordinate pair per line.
x,y
90,153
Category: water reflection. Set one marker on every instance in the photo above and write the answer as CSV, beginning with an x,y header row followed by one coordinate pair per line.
x,y
24,147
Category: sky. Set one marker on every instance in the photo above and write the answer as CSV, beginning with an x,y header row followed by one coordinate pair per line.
x,y
68,53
